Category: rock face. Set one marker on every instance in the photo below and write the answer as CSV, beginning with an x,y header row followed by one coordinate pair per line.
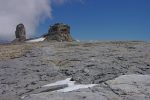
x,y
20,33
59,32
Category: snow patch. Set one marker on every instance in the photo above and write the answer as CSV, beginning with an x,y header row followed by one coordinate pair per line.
x,y
78,40
76,87
71,85
36,40
62,82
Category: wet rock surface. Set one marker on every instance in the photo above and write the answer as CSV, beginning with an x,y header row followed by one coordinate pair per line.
x,y
101,63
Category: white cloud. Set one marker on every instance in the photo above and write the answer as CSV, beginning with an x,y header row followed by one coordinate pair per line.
x,y
59,2
28,12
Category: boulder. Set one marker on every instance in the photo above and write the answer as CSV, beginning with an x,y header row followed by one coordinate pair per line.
x,y
59,32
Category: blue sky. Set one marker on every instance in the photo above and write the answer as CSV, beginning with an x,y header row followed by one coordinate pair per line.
x,y
103,19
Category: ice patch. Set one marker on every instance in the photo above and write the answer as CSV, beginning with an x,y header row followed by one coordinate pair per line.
x,y
36,40
71,85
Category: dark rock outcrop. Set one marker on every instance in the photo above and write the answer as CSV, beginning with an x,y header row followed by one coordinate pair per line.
x,y
59,32
20,33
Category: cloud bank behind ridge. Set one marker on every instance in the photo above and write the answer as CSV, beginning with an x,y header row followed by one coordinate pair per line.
x,y
28,12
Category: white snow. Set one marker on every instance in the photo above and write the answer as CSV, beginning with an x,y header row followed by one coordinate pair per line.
x,y
62,82
37,40
71,85
75,87
78,40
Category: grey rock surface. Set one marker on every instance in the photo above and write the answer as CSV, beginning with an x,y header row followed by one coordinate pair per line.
x,y
125,87
37,64
134,86
9,97
67,96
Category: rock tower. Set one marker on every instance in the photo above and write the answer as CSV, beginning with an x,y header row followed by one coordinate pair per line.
x,y
59,32
20,33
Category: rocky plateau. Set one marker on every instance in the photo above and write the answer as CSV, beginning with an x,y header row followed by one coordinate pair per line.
x,y
120,70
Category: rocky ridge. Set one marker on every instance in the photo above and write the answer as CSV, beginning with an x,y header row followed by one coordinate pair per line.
x,y
58,32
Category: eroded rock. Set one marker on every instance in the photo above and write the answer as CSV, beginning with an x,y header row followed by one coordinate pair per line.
x,y
20,33
59,32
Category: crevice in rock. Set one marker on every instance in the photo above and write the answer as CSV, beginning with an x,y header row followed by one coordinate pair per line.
x,y
111,89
